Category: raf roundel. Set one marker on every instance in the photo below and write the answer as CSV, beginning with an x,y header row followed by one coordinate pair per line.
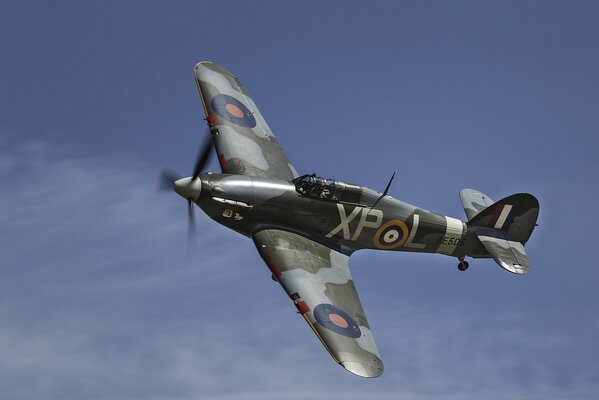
x,y
233,110
336,320
391,235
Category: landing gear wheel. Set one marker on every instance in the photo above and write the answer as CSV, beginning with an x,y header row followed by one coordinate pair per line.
x,y
463,265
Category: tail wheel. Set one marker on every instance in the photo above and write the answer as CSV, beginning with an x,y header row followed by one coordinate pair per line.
x,y
463,265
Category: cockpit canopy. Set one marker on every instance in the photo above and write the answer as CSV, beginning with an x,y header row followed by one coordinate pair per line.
x,y
327,189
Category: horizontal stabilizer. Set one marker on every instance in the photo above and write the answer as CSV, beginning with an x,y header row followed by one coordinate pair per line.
x,y
474,201
510,255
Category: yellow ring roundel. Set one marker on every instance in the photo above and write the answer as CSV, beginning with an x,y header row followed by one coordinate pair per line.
x,y
390,235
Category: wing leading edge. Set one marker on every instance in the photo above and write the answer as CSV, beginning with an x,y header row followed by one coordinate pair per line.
x,y
244,142
318,281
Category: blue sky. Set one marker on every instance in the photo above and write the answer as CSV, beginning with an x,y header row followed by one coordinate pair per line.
x,y
97,297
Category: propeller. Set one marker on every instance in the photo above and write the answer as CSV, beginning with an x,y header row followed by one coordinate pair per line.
x,y
191,224
167,179
203,157
171,180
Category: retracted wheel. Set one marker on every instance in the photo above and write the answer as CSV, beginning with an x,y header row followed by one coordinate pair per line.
x,y
463,265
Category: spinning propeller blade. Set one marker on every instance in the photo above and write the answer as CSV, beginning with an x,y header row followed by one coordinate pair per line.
x,y
166,179
203,157
191,224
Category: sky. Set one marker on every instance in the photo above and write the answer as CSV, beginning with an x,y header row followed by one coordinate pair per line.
x,y
98,296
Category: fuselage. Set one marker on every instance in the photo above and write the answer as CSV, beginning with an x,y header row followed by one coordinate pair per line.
x,y
249,204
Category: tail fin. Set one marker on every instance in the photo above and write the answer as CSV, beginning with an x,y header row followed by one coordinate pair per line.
x,y
515,215
503,227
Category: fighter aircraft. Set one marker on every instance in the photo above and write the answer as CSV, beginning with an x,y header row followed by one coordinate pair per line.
x,y
306,227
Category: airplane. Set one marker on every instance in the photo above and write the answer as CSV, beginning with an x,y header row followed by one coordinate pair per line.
x,y
305,227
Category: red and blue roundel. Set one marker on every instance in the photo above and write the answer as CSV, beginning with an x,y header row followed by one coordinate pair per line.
x,y
233,110
337,320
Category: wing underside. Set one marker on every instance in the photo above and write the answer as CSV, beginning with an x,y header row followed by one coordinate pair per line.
x,y
244,142
318,281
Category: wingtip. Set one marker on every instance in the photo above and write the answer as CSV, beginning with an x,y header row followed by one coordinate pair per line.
x,y
363,370
201,64
515,269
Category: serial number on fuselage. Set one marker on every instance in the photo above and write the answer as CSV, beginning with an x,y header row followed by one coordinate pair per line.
x,y
450,241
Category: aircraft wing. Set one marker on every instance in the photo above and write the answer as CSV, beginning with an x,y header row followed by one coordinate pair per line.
x,y
318,281
244,142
